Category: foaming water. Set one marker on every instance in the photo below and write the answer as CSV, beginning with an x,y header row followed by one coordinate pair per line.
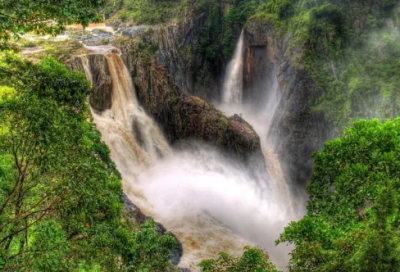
x,y
202,190
210,203
261,115
260,118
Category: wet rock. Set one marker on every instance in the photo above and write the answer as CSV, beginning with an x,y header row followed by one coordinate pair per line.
x,y
132,31
101,33
133,211
101,97
194,118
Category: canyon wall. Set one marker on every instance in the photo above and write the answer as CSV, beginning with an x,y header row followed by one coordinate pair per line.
x,y
300,130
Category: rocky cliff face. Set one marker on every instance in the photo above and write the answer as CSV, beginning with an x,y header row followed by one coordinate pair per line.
x,y
100,99
175,51
101,95
300,130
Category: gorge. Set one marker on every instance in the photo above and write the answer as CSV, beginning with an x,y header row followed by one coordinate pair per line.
x,y
185,188
200,135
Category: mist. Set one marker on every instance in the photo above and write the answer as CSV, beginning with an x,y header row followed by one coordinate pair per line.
x,y
196,182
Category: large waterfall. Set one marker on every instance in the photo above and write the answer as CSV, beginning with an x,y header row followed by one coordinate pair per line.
x,y
210,203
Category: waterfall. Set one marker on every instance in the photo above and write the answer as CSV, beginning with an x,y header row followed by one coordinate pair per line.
x,y
210,203
260,118
233,83
133,137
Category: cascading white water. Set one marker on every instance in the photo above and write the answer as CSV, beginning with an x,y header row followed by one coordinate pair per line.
x,y
210,203
203,198
233,83
129,132
262,120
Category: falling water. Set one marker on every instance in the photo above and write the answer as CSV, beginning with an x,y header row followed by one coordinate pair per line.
x,y
233,84
85,63
163,183
210,203
260,119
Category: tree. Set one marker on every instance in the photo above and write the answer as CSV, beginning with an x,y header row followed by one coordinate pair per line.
x,y
253,260
60,193
352,221
18,17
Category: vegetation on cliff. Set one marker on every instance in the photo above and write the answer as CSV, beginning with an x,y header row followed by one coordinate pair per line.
x,y
149,12
18,17
350,49
61,206
60,193
352,223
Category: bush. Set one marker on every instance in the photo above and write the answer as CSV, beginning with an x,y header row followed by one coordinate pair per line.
x,y
253,259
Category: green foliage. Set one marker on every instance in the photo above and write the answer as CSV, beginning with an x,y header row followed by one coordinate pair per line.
x,y
366,84
252,260
151,251
347,50
60,195
209,34
150,11
18,17
352,223
235,18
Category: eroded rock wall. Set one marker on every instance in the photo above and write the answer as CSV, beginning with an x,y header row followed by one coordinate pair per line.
x,y
296,129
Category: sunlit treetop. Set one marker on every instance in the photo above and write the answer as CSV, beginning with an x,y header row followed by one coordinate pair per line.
x,y
18,17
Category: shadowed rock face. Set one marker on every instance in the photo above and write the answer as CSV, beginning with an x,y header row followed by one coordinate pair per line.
x,y
101,97
194,118
300,130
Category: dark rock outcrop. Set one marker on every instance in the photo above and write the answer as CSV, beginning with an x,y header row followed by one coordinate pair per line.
x,y
101,97
194,118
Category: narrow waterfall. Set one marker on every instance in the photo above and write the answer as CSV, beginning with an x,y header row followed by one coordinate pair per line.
x,y
260,118
85,64
210,203
233,83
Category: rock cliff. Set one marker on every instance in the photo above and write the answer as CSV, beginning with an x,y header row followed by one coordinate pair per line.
x,y
300,130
